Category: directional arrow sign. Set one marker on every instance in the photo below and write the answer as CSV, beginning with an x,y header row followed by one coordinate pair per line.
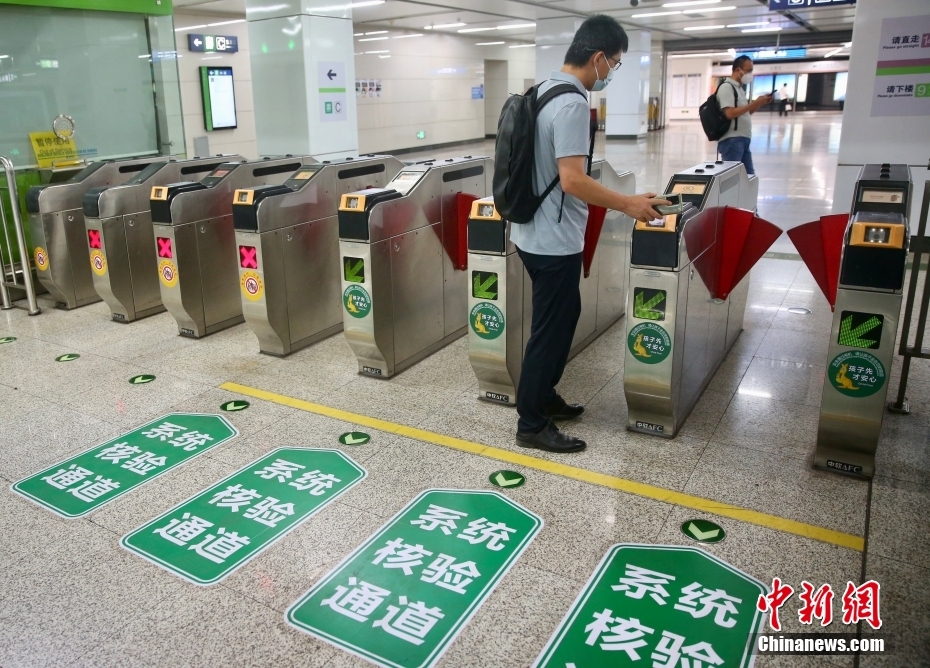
x,y
234,406
355,272
142,379
645,302
483,282
78,485
644,602
8,339
507,479
332,75
462,544
197,41
69,357
703,531
354,438
243,514
854,325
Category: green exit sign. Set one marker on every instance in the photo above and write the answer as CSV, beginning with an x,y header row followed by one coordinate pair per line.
x,y
421,134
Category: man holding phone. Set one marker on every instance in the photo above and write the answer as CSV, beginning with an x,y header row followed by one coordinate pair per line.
x,y
551,245
734,145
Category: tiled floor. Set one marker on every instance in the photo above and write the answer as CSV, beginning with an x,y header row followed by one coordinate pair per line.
x,y
70,596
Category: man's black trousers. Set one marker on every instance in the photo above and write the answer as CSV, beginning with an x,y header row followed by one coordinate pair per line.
x,y
556,308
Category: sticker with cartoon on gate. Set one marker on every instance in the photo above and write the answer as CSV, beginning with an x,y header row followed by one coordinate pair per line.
x,y
856,373
487,321
649,343
356,301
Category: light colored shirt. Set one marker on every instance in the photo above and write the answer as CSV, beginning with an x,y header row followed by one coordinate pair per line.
x,y
728,97
563,129
783,94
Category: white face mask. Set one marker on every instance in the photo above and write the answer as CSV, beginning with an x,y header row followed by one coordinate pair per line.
x,y
747,78
601,84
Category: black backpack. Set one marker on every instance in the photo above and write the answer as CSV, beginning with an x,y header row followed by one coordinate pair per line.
x,y
515,153
715,122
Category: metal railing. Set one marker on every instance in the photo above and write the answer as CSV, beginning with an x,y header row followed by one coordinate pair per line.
x,y
26,269
920,246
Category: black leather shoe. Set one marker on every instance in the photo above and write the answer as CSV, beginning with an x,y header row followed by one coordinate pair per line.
x,y
563,411
551,440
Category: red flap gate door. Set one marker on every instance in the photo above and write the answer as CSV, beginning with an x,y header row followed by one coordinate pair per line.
x,y
456,236
820,244
592,235
746,238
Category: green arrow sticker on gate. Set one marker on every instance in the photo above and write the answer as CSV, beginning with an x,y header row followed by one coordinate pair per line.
x,y
142,379
854,326
211,534
648,304
354,438
234,406
482,282
67,357
354,269
403,596
675,605
703,531
83,483
7,339
507,479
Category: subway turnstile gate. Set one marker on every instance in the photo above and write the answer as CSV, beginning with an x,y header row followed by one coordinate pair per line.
x,y
404,259
859,260
119,236
288,241
56,222
500,297
195,243
687,292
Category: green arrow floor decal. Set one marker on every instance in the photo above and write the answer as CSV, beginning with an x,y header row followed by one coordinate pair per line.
x,y
234,406
8,339
506,479
68,357
142,379
354,438
703,531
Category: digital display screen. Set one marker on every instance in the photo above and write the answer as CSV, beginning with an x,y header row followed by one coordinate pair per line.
x,y
244,197
689,188
303,176
404,181
220,173
882,196
219,98
486,210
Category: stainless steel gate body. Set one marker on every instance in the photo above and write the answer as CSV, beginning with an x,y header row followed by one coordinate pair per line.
x,y
120,240
288,244
500,292
196,243
678,334
403,257
59,239
865,322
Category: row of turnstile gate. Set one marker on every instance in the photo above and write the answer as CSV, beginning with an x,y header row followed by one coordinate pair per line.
x,y
406,258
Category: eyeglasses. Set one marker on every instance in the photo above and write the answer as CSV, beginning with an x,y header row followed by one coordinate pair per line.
x,y
608,58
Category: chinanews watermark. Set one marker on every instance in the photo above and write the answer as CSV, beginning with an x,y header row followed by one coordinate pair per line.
x,y
859,605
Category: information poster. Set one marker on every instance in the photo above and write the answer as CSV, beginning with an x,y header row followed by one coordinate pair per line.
x,y
678,91
694,90
49,149
902,73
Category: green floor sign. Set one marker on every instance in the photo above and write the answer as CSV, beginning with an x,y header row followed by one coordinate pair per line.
x,y
7,339
211,534
404,595
85,482
506,478
659,605
67,357
234,406
703,531
142,379
354,438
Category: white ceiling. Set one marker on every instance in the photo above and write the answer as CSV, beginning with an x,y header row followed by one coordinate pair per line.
x,y
711,17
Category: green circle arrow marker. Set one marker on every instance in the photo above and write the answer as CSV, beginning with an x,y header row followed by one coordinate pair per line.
x,y
507,479
142,379
67,357
233,406
703,531
354,438
8,339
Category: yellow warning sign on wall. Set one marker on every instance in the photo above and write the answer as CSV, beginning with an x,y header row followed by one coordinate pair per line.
x,y
50,149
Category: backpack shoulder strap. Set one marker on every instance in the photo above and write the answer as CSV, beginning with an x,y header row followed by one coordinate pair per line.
x,y
554,92
735,103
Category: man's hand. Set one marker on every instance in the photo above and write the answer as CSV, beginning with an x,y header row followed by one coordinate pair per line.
x,y
765,99
640,207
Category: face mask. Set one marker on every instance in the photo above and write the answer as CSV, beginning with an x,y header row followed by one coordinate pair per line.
x,y
747,78
601,84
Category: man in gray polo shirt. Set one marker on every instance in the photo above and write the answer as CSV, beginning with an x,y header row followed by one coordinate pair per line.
x,y
551,245
734,145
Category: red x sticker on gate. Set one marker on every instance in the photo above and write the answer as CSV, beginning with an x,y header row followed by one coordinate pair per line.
x,y
93,239
164,247
248,257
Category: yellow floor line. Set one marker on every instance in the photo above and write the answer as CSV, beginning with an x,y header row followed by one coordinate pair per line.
x,y
612,482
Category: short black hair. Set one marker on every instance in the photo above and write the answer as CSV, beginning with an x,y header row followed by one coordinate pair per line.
x,y
598,33
739,62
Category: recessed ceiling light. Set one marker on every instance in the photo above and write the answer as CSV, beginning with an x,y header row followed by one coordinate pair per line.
x,y
834,52
691,3
771,29
377,32
489,43
747,25
226,23
383,56
645,16
477,29
708,10
523,46
190,28
419,34
373,39
384,51
358,34
445,25
689,28
517,25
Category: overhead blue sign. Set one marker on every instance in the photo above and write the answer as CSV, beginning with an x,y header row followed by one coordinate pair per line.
x,y
806,4
775,54
213,43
